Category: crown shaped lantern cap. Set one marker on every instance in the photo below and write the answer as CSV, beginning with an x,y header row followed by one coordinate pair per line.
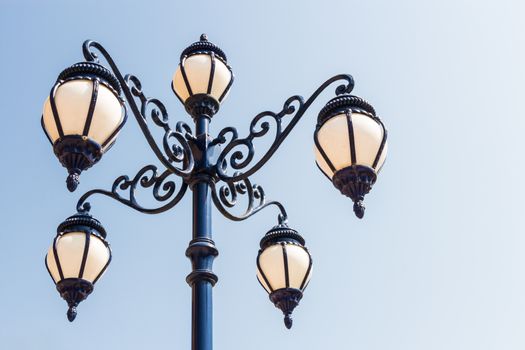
x,y
203,46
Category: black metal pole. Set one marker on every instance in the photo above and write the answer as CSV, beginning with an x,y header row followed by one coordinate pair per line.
x,y
202,250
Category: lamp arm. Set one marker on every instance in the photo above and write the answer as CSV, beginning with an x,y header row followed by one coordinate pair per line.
x,y
226,196
132,88
232,156
163,190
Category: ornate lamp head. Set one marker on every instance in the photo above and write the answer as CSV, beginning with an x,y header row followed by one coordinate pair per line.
x,y
203,78
82,117
284,268
77,258
350,146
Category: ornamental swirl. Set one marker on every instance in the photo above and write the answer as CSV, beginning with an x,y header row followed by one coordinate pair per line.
x,y
170,152
163,190
226,197
239,153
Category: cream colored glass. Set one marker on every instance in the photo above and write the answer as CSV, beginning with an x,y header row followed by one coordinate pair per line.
x,y
51,264
70,250
261,279
298,262
271,262
221,79
49,121
198,69
107,116
72,101
382,158
179,86
368,135
98,257
334,139
322,163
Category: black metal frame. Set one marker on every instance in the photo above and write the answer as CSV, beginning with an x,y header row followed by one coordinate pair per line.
x,y
202,163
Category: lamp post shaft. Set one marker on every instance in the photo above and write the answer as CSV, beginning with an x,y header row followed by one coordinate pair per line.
x,y
202,250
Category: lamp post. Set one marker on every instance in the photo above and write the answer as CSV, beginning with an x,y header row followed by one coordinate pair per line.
x,y
84,113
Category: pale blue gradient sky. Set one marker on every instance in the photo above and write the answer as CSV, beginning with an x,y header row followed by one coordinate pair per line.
x,y
437,263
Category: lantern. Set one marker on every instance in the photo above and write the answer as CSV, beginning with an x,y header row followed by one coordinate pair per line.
x,y
203,78
77,258
82,117
350,146
284,268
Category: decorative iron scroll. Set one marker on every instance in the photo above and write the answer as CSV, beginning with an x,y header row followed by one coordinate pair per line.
x,y
175,152
225,197
238,154
132,89
164,190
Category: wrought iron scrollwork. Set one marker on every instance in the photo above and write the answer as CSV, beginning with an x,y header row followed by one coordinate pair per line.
x,y
232,155
175,150
226,197
132,89
164,190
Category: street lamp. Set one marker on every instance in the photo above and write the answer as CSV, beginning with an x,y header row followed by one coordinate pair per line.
x,y
82,117
85,112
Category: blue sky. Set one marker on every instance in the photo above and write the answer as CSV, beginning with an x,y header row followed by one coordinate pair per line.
x,y
437,262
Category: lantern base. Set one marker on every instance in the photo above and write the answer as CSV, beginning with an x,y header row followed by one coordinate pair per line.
x,y
355,182
73,291
286,299
76,153
201,104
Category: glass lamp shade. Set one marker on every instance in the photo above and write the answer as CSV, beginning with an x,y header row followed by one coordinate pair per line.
x,y
77,259
350,146
82,117
203,77
284,268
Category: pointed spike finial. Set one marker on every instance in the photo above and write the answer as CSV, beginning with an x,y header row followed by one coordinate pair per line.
x,y
72,181
204,37
72,313
288,322
74,291
359,209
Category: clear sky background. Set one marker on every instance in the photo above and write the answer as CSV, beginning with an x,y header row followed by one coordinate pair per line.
x,y
437,263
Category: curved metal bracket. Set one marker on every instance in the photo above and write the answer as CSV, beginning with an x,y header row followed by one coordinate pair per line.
x,y
146,177
259,127
132,89
226,197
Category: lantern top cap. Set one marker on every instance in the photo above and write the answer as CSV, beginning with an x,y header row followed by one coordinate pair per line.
x,y
82,219
343,103
281,233
203,46
90,69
